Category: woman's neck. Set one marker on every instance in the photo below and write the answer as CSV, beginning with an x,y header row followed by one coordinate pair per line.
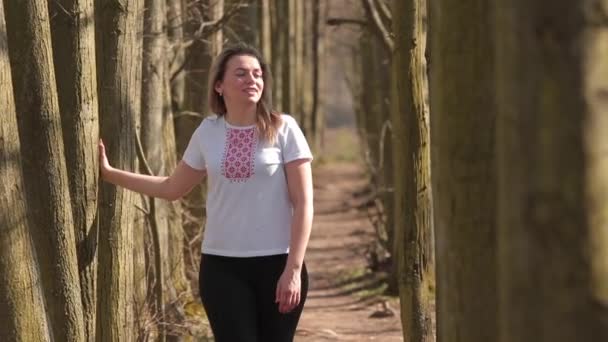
x,y
241,116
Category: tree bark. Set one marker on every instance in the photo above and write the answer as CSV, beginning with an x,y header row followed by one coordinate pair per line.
x,y
278,53
282,55
553,170
463,168
265,30
317,50
373,117
298,90
152,110
118,27
177,57
45,174
413,244
176,272
22,307
74,53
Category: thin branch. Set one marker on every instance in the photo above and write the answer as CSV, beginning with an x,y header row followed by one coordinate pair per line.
x,y
385,12
188,113
378,26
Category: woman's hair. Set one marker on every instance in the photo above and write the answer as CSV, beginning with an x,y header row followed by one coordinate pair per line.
x,y
267,120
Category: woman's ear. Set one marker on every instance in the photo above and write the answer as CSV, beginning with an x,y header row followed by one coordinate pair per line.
x,y
218,87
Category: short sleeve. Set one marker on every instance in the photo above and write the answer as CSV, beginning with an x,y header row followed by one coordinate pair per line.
x,y
193,156
294,144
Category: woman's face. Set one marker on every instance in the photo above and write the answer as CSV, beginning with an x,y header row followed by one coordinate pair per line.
x,y
243,81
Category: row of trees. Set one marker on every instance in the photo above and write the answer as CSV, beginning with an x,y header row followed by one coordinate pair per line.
x,y
499,164
83,261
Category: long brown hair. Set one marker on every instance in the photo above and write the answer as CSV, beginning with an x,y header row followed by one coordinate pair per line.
x,y
268,120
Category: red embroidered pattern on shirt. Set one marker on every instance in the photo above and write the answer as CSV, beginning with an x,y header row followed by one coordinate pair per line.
x,y
238,160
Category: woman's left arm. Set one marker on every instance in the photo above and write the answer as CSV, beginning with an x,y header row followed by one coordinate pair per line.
x,y
299,183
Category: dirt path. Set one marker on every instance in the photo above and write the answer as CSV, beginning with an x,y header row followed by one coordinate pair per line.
x,y
344,303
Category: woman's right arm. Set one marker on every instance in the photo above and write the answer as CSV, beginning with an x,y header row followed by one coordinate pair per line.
x,y
181,181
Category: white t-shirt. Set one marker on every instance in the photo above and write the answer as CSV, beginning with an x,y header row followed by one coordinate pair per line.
x,y
248,207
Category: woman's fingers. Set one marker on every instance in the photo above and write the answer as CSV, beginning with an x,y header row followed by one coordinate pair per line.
x,y
102,150
289,300
287,293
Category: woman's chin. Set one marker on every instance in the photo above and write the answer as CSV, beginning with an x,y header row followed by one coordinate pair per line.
x,y
251,99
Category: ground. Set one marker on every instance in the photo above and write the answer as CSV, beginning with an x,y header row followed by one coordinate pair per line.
x,y
346,300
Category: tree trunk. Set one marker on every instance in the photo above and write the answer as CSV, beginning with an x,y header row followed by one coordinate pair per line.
x,y
281,55
265,30
278,53
176,272
22,307
297,74
177,57
290,55
553,170
45,174
118,27
463,169
200,56
74,52
317,49
179,291
372,120
413,245
152,110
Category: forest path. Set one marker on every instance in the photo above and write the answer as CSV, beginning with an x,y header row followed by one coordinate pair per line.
x,y
344,297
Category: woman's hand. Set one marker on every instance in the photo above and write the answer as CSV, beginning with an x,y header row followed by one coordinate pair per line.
x,y
104,164
288,290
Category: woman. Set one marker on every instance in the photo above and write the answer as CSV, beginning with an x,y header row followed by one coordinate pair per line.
x,y
253,280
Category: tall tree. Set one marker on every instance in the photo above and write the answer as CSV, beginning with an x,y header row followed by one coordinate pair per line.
x,y
373,115
205,46
413,238
118,27
176,230
374,121
463,168
22,308
151,162
282,55
317,47
175,270
553,170
298,90
176,57
264,28
45,174
74,55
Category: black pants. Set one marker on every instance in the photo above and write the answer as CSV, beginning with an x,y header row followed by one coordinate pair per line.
x,y
238,295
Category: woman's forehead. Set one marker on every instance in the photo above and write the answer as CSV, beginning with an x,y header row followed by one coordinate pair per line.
x,y
243,62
